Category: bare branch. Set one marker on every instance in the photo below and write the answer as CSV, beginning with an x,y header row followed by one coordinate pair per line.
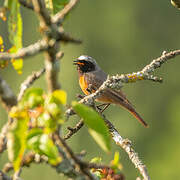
x,y
7,97
3,176
29,81
31,50
74,130
61,15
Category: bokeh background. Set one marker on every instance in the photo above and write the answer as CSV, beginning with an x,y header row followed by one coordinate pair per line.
x,y
123,36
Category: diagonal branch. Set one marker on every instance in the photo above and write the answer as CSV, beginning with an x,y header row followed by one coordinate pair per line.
x,y
61,15
3,176
29,81
74,130
127,146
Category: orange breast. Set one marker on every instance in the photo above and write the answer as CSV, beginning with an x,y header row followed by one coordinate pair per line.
x,y
83,84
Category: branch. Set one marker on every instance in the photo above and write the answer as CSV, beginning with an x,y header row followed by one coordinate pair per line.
x,y
74,130
3,135
7,97
31,50
58,18
116,82
127,146
79,164
51,62
3,176
29,81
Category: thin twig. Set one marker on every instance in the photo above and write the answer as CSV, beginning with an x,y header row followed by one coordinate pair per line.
x,y
61,15
3,135
74,130
29,81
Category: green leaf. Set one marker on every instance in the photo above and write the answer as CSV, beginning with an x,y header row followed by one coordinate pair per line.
x,y
55,6
95,123
15,31
58,5
96,160
58,97
43,145
33,97
45,120
49,5
115,165
33,138
3,64
17,134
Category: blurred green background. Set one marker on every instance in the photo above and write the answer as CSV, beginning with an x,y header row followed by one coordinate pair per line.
x,y
123,36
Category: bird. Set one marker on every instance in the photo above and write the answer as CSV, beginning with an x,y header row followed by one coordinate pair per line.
x,y
91,77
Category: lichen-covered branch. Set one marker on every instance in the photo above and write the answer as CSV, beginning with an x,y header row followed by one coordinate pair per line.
x,y
117,82
127,146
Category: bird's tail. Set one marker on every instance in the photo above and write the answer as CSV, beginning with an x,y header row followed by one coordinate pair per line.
x,y
123,101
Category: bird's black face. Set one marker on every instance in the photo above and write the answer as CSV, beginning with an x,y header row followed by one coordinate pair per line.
x,y
84,65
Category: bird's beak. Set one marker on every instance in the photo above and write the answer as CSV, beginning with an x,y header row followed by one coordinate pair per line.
x,y
77,62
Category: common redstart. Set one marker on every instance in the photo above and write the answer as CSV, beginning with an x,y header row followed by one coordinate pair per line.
x,y
91,77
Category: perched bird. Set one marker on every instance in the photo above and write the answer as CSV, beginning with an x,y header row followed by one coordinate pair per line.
x,y
91,77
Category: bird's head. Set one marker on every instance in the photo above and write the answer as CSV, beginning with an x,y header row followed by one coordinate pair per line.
x,y
86,64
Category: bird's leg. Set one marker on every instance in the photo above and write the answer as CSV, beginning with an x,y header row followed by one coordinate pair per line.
x,y
104,108
89,89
